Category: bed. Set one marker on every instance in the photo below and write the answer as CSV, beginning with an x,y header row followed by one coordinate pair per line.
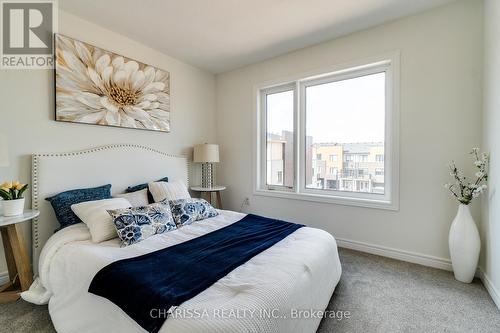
x,y
278,290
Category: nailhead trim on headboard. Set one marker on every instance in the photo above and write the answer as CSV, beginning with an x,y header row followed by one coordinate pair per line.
x,y
34,199
34,174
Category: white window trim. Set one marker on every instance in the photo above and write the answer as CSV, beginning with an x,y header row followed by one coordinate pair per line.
x,y
389,200
263,135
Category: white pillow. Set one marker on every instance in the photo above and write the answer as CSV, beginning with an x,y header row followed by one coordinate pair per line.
x,y
170,191
95,215
137,198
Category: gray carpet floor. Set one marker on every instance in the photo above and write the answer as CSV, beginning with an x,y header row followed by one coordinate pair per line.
x,y
380,294
386,295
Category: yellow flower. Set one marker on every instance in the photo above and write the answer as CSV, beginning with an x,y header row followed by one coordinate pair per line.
x,y
19,186
15,184
6,186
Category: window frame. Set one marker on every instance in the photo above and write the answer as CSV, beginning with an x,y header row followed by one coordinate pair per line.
x,y
388,63
263,136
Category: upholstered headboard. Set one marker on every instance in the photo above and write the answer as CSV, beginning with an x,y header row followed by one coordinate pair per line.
x,y
121,165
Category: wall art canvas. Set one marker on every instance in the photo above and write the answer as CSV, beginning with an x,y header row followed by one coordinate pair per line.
x,y
95,86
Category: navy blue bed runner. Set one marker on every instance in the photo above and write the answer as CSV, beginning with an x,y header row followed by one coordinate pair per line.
x,y
171,276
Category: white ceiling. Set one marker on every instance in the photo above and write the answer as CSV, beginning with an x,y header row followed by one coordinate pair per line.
x,y
220,35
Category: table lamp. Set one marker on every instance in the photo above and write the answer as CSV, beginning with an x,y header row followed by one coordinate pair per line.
x,y
206,154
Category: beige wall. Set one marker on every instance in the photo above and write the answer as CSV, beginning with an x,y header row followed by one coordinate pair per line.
x,y
441,99
27,110
491,203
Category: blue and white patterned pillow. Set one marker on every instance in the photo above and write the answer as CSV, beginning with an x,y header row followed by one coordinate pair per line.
x,y
186,211
138,223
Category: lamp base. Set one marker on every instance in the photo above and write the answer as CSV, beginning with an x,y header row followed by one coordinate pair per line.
x,y
207,177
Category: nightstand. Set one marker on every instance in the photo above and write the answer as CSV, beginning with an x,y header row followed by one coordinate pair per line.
x,y
18,263
207,192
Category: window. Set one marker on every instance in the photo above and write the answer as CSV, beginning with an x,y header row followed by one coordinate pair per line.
x,y
349,117
279,105
347,184
331,184
363,186
280,177
348,111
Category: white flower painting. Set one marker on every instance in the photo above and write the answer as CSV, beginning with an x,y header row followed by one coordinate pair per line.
x,y
94,86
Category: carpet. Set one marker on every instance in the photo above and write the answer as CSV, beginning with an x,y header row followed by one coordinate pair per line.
x,y
386,295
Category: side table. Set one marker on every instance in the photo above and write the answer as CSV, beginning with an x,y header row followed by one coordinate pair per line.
x,y
207,192
18,263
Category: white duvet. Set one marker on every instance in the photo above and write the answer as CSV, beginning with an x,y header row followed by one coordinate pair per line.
x,y
263,295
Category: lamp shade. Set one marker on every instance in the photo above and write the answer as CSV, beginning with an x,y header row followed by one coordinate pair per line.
x,y
206,153
4,152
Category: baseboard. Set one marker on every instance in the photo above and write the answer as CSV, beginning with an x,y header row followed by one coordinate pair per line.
x,y
402,255
494,293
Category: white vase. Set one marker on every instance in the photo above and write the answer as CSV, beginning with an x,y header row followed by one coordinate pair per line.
x,y
13,207
465,245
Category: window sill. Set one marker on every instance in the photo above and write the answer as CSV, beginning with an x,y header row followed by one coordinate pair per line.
x,y
329,199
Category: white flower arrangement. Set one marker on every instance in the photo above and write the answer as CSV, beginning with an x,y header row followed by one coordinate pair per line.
x,y
464,190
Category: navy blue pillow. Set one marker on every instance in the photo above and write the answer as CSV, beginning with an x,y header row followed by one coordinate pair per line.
x,y
143,186
61,203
